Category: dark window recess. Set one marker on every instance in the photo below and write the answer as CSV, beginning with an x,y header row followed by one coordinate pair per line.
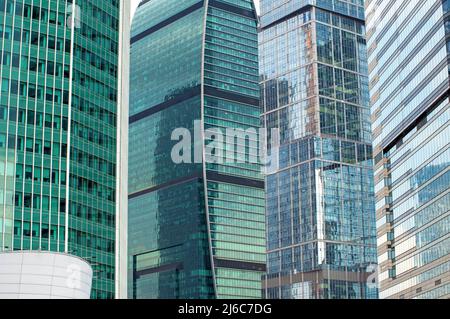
x,y
233,264
62,205
378,157
160,269
419,123
216,177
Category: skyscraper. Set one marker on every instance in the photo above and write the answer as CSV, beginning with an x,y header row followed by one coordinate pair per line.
x,y
409,82
60,103
320,197
197,228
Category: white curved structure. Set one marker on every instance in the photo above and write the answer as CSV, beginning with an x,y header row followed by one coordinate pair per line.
x,y
44,275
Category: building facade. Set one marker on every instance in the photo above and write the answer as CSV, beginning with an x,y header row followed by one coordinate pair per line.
x,y
59,110
409,85
320,196
44,275
196,227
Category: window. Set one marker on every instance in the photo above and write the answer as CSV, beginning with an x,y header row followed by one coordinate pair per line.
x,y
2,140
28,173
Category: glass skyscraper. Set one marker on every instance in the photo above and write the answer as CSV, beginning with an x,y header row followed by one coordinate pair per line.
x,y
320,193
409,79
196,229
59,111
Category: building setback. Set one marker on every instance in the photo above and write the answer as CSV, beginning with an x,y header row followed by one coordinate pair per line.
x,y
196,230
59,111
409,85
320,197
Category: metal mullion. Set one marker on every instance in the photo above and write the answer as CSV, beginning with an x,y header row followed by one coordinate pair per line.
x,y
60,140
25,139
17,133
69,128
34,132
52,140
7,124
25,131
2,45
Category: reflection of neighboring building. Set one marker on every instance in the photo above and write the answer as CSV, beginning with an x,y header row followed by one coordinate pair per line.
x,y
410,113
195,230
320,203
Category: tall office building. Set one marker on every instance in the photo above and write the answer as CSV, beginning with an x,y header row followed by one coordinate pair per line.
x,y
409,83
320,197
196,229
59,134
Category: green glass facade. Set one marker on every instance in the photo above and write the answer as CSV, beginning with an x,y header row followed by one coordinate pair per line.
x,y
58,119
195,230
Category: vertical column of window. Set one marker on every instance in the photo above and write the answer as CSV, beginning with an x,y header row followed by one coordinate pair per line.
x,y
229,67
231,37
22,227
7,156
48,95
446,9
344,117
24,210
236,211
93,149
51,162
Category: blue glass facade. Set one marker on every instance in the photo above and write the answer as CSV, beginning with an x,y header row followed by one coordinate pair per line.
x,y
320,196
409,76
195,230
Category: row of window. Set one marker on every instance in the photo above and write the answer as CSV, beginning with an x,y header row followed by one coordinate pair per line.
x,y
329,149
41,66
84,212
43,40
45,15
36,231
97,111
51,68
38,202
91,241
34,146
33,91
344,120
92,188
35,119
94,86
54,43
93,136
92,161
